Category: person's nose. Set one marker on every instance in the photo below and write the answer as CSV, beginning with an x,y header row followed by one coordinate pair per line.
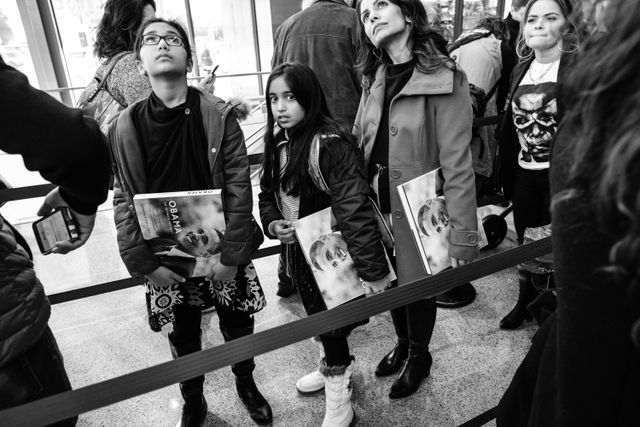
x,y
162,44
538,24
280,105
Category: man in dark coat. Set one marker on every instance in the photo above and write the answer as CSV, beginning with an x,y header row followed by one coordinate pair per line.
x,y
68,150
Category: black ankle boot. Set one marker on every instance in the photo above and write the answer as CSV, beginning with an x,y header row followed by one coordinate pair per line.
x,y
393,361
417,368
527,293
253,400
194,412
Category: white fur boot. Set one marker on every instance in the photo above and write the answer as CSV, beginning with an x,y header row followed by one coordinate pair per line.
x,y
337,389
313,382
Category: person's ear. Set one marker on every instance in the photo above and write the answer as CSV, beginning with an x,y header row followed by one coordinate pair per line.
x,y
189,65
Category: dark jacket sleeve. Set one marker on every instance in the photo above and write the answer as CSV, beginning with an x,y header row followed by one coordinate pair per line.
x,y
341,165
269,210
59,142
136,254
236,195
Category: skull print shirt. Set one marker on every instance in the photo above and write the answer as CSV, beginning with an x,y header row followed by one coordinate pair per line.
x,y
535,114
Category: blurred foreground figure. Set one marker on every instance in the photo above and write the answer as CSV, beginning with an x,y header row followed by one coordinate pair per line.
x,y
68,150
584,366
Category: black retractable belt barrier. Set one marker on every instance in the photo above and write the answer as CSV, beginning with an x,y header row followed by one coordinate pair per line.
x,y
68,404
117,285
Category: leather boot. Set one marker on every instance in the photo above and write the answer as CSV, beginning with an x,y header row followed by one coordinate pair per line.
x,y
253,400
338,391
194,410
392,362
527,293
421,317
417,368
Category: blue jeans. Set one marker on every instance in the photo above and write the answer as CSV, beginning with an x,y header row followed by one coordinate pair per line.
x,y
37,373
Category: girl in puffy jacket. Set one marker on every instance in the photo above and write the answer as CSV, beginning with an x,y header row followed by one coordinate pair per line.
x,y
181,139
288,192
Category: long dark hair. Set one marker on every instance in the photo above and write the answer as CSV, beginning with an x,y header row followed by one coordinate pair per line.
x,y
429,46
571,34
175,24
118,27
307,91
606,161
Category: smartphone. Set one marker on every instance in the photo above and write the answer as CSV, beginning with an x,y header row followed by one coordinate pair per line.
x,y
57,226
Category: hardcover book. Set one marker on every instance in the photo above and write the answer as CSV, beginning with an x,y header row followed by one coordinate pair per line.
x,y
328,257
184,229
426,210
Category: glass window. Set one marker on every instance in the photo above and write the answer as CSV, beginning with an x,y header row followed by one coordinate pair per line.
x,y
474,10
13,41
440,14
224,37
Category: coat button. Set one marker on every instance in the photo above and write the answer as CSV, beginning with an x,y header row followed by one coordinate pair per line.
x,y
398,214
395,174
187,111
394,130
472,238
213,150
131,207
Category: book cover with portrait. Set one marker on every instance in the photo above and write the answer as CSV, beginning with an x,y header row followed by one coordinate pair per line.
x,y
184,229
328,257
426,210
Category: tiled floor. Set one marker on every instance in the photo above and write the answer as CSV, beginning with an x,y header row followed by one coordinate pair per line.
x,y
106,336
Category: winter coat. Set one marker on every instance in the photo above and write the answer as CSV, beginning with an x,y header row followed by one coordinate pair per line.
x,y
508,143
68,150
429,127
229,165
341,167
324,37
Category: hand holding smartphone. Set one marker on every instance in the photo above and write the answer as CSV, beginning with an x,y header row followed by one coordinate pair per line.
x,y
57,226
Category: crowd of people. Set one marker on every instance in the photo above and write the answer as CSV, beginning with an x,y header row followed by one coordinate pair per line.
x,y
344,134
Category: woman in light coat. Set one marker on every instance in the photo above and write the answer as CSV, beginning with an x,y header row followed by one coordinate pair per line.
x,y
414,116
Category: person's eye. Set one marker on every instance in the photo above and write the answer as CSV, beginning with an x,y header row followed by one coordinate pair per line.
x,y
291,98
329,256
434,221
200,231
151,39
273,99
530,21
381,4
364,18
174,40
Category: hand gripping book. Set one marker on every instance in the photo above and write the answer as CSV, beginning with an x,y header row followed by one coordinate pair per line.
x,y
326,252
426,210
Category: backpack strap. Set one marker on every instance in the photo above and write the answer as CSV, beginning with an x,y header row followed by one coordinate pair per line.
x,y
314,164
103,78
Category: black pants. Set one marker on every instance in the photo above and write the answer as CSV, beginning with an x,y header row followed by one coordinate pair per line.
x,y
186,326
531,200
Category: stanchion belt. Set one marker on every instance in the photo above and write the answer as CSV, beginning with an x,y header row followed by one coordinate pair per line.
x,y
71,403
117,285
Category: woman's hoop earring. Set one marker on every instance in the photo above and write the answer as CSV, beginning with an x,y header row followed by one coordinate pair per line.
x,y
520,50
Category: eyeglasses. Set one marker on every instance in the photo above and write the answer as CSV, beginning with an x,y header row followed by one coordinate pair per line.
x,y
170,39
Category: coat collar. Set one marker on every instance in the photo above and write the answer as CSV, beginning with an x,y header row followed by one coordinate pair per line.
x,y
437,83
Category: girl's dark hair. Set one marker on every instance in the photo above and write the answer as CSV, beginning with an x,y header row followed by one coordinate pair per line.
x,y
118,27
429,46
605,84
175,24
308,92
571,34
